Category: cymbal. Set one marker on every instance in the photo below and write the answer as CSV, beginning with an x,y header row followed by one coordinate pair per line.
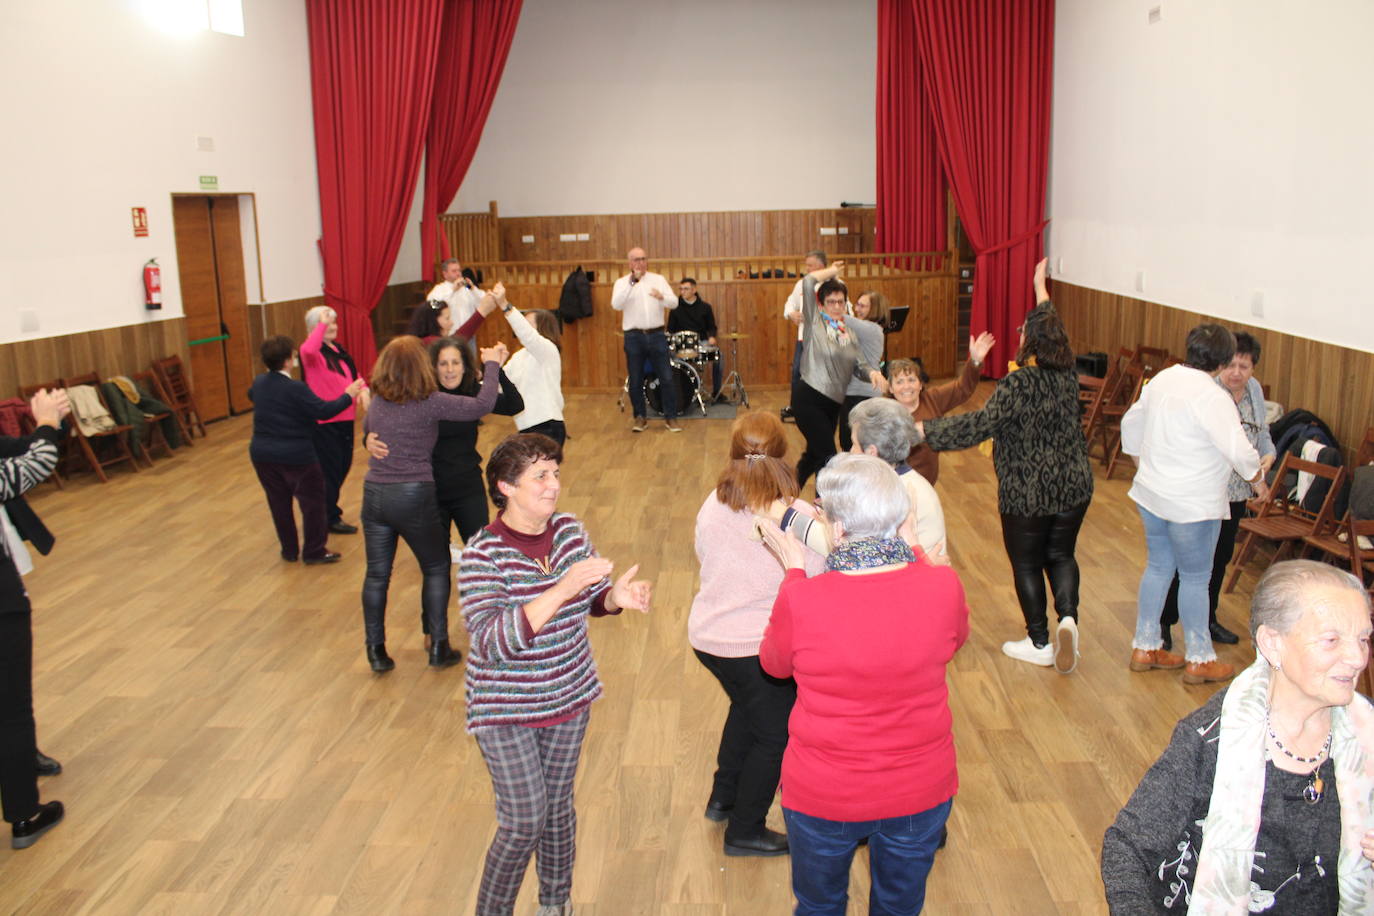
x,y
734,335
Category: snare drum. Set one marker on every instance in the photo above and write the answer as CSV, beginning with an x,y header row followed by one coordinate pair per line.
x,y
684,344
685,380
706,354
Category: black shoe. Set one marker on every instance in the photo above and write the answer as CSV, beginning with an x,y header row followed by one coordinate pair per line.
x,y
47,766
1222,635
763,843
442,656
26,832
786,414
327,558
718,811
290,557
378,659
1166,634
944,837
343,527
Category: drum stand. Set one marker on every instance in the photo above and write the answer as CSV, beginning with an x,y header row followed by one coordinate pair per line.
x,y
733,382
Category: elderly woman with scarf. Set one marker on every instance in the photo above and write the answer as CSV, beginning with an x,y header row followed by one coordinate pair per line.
x,y
328,369
871,751
831,355
1264,798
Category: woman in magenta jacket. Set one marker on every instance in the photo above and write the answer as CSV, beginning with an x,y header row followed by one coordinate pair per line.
x,y
871,751
328,369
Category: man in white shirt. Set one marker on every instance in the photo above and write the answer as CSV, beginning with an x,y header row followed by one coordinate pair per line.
x,y
459,292
642,298
792,311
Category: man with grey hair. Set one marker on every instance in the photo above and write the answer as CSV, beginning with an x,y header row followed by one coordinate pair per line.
x,y
642,297
883,428
459,292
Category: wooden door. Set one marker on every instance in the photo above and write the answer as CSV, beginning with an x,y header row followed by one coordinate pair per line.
x,y
214,299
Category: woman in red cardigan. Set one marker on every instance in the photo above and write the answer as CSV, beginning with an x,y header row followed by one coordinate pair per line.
x,y
870,753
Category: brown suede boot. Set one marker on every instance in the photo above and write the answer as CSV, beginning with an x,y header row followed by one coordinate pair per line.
x,y
1202,672
1148,659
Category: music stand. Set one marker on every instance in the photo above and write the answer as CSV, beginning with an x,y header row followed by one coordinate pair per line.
x,y
896,319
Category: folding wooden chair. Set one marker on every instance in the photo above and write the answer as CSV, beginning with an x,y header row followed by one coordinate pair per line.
x,y
1283,519
1093,412
117,436
1365,453
156,438
65,445
175,385
1151,359
1112,414
1343,543
1090,391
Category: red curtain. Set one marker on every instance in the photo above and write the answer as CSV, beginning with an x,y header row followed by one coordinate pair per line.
x,y
372,78
911,183
473,45
987,69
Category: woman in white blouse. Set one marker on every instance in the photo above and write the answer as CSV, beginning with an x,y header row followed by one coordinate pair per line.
x,y
1188,438
536,370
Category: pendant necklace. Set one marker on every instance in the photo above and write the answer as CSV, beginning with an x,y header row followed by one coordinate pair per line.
x,y
1312,792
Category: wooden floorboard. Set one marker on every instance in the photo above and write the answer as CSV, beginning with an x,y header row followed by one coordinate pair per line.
x,y
227,749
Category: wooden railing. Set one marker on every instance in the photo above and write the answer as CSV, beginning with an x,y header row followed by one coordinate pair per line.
x,y
747,295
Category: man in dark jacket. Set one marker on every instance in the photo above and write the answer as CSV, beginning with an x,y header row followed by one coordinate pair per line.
x,y
693,314
24,463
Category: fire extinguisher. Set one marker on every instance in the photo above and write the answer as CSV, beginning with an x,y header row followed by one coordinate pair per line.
x,y
152,285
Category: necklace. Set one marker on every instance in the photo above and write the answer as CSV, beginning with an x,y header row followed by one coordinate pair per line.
x,y
1312,792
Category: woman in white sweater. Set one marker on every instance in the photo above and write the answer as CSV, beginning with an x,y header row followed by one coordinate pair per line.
x,y
536,370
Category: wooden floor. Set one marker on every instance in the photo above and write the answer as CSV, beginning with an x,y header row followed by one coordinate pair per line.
x,y
227,749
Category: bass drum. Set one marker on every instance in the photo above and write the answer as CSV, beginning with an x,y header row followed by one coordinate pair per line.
x,y
685,380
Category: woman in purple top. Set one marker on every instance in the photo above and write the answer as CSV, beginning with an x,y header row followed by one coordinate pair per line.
x,y
398,493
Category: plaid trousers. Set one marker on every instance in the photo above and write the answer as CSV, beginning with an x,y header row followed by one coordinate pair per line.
x,y
532,772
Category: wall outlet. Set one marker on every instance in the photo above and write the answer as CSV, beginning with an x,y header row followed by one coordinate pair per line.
x,y
205,144
844,230
1257,303
527,239
28,321
567,236
584,237
1140,281
827,230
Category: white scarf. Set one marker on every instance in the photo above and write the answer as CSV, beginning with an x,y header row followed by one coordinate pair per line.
x,y
1223,886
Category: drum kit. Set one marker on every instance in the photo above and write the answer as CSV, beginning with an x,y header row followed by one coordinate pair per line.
x,y
690,356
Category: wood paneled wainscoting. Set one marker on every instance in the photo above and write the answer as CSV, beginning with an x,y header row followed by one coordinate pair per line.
x,y
110,351
593,354
1334,382
720,234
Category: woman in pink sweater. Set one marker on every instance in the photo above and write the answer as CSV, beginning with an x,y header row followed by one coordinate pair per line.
x,y
870,753
739,579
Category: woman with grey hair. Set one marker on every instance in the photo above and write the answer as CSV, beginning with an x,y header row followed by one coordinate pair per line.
x,y
882,427
870,753
328,369
1262,799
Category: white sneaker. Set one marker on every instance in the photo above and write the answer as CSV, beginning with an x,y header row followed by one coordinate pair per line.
x,y
556,909
1024,650
1066,646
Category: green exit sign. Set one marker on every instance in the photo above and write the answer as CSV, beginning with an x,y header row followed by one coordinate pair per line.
x,y
209,182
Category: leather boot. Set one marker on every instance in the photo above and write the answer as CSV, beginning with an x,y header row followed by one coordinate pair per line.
x,y
442,656
378,659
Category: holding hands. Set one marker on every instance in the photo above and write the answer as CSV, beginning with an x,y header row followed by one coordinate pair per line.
x,y
354,387
49,406
980,346
494,354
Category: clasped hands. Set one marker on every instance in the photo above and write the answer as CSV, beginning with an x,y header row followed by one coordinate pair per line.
x,y
626,592
49,406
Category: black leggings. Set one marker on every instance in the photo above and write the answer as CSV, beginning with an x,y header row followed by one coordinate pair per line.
x,y
410,511
816,416
465,505
1040,546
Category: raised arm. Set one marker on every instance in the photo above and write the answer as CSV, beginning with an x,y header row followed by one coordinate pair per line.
x,y
945,434
461,407
22,472
468,329
311,357
540,347
1042,270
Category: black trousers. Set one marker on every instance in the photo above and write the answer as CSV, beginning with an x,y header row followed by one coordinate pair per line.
x,y
18,742
846,440
409,511
1041,546
334,448
555,429
304,482
816,416
749,762
1221,558
465,505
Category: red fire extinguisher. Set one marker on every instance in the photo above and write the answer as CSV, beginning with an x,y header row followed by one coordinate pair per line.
x,y
152,285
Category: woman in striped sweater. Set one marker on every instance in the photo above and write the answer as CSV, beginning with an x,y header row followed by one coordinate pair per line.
x,y
528,583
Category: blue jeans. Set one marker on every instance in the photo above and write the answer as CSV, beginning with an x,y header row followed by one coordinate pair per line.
x,y
900,853
651,345
1185,547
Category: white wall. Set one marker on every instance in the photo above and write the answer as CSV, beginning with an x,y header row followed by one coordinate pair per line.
x,y
1223,151
629,106
102,113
